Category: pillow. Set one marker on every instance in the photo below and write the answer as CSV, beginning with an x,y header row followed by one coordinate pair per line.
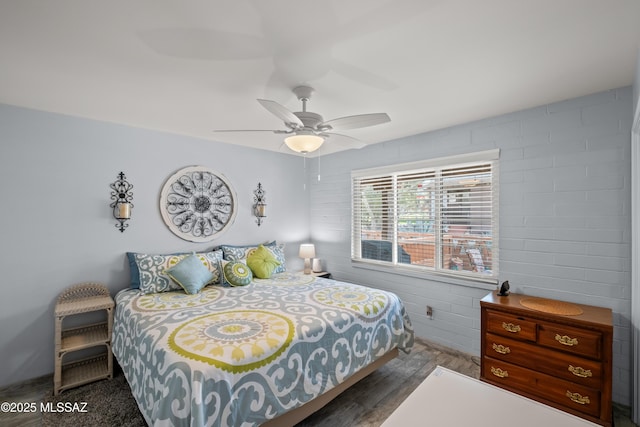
x,y
236,273
238,253
134,272
262,262
148,271
191,274
278,251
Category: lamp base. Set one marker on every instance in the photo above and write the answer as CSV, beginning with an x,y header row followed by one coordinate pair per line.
x,y
307,266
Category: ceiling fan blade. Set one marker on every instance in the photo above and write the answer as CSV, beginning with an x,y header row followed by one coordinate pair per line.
x,y
281,112
344,141
355,122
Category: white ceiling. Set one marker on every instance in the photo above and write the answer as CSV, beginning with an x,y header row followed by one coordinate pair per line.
x,y
189,67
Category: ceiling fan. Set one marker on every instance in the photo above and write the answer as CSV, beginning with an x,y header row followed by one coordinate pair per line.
x,y
307,130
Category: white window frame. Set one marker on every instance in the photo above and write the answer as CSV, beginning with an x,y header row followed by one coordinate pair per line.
x,y
393,171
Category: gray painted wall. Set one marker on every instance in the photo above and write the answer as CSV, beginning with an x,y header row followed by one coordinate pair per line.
x,y
57,228
564,216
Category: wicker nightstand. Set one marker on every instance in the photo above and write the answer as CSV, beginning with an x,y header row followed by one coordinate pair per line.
x,y
79,299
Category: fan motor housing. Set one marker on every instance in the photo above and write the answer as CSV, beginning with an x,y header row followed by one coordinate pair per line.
x,y
309,119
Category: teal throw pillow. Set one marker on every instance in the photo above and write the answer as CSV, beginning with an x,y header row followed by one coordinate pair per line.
x,y
191,274
237,273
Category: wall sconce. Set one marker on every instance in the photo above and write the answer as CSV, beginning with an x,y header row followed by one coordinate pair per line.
x,y
307,251
260,204
122,197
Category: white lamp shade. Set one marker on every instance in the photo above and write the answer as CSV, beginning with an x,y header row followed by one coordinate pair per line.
x,y
307,250
304,143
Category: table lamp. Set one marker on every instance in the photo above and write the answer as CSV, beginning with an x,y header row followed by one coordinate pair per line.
x,y
307,251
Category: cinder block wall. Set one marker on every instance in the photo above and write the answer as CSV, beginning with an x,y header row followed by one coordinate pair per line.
x,y
564,216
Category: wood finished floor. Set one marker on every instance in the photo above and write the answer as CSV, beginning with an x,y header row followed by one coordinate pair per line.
x,y
369,402
366,404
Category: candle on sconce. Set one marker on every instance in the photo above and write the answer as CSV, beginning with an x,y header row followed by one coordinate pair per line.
x,y
124,210
261,210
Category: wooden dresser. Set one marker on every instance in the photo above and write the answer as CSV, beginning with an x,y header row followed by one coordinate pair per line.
x,y
554,352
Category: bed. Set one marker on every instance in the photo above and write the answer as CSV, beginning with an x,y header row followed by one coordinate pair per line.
x,y
268,353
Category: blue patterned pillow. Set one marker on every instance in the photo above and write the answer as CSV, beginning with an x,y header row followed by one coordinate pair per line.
x,y
152,274
236,253
191,274
278,251
237,273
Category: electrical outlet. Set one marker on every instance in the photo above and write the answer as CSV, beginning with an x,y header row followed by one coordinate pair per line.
x,y
429,312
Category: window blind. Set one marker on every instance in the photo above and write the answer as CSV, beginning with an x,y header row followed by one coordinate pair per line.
x,y
441,218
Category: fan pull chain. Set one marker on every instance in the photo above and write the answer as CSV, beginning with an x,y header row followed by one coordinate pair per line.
x,y
304,167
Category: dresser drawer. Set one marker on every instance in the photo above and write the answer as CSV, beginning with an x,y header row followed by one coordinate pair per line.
x,y
561,365
572,340
552,390
512,326
508,375
579,398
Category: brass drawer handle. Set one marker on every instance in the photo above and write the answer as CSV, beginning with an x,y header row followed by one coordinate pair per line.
x,y
499,348
580,372
510,327
565,340
578,398
499,372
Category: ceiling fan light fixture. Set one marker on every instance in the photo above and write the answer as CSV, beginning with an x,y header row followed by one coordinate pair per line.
x,y
307,130
304,143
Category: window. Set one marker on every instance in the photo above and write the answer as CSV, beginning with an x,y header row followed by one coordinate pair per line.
x,y
439,215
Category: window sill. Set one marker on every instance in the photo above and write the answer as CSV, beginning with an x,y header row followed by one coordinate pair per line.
x,y
488,284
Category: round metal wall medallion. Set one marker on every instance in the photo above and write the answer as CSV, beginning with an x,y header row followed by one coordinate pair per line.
x,y
197,204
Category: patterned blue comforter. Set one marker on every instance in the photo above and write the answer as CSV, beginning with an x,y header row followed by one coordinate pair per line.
x,y
241,356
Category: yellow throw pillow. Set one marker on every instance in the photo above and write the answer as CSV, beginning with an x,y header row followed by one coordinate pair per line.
x,y
262,262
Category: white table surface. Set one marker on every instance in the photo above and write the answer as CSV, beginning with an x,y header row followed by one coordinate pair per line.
x,y
448,398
